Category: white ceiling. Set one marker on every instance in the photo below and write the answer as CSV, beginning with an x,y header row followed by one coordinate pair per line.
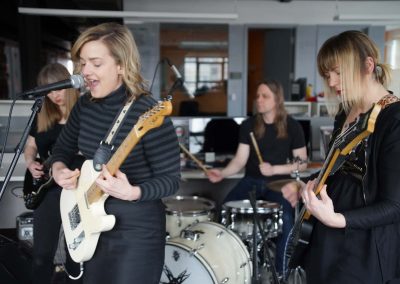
x,y
273,12
250,12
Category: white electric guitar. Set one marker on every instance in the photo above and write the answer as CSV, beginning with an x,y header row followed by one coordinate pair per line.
x,y
82,209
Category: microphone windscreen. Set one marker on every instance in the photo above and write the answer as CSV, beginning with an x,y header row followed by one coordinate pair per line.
x,y
77,81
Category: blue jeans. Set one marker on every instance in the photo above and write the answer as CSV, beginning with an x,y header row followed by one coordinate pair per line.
x,y
241,191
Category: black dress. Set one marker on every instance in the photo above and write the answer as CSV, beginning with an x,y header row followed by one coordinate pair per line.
x,y
366,191
133,251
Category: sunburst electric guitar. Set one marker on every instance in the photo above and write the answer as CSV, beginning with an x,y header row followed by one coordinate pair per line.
x,y
299,238
82,209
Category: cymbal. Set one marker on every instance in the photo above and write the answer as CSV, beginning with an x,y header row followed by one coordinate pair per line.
x,y
278,184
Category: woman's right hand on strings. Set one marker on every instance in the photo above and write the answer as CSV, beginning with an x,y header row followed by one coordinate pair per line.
x,y
215,175
292,191
35,168
64,177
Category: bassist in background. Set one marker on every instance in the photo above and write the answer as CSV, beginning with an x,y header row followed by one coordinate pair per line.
x,y
133,250
356,236
43,135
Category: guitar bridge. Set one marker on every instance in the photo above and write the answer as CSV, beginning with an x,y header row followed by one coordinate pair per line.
x,y
74,217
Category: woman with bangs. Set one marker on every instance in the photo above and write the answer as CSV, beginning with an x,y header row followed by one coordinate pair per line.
x,y
356,237
42,137
133,250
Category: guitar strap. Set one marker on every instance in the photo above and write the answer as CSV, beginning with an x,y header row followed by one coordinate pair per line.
x,y
104,152
384,102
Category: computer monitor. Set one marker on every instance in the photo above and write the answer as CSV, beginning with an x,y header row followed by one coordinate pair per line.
x,y
299,89
209,134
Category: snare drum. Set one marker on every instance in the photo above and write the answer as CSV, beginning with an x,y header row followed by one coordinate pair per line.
x,y
206,253
238,216
182,211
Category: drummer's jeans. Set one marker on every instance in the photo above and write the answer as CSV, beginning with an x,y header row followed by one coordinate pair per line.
x,y
241,192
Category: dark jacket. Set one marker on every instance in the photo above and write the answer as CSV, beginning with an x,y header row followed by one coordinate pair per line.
x,y
382,193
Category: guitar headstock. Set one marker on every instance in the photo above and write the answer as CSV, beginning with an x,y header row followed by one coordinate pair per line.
x,y
153,118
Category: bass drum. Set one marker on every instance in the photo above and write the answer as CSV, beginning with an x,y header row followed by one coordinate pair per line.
x,y
182,211
206,253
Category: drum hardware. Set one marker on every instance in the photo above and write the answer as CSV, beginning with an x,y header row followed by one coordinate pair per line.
x,y
191,235
195,250
297,207
238,216
256,279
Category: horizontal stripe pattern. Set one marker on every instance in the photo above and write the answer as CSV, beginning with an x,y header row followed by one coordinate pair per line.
x,y
153,164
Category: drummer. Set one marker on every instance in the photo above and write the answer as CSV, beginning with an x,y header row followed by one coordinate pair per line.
x,y
279,138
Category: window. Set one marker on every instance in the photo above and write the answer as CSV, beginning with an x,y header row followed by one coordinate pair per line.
x,y
203,74
392,57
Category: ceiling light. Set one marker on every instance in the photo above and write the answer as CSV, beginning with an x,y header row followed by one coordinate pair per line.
x,y
364,17
125,14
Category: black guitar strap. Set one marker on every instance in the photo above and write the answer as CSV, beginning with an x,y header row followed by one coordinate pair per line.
x,y
384,102
104,152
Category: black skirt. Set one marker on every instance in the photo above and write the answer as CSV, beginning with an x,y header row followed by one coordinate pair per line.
x,y
133,251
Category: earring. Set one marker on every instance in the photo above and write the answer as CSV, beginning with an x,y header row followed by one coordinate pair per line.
x,y
378,70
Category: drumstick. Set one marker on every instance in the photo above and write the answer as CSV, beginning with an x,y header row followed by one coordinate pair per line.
x,y
253,139
200,164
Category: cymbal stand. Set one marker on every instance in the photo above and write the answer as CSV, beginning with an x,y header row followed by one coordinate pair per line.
x,y
264,241
296,172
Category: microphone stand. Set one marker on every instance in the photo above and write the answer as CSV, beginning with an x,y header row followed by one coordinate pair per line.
x,y
255,278
20,147
177,84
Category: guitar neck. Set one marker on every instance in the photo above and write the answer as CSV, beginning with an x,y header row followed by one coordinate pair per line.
x,y
323,175
342,147
149,120
95,193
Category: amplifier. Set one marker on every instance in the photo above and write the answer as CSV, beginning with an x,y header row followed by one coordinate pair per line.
x,y
25,227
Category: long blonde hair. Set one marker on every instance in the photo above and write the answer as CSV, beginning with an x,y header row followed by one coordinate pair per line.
x,y
349,51
50,114
122,47
280,119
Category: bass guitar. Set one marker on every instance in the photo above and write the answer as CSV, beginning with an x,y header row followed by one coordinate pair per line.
x,y
299,237
82,209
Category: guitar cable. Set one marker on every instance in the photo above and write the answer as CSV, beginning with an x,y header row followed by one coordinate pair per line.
x,y
80,272
17,191
81,269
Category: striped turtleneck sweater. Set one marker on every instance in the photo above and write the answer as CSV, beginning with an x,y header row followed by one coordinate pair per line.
x,y
153,164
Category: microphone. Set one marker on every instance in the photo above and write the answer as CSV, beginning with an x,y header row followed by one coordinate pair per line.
x,y
76,81
179,78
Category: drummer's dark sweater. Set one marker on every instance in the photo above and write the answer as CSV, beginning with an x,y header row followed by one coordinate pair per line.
x,y
153,164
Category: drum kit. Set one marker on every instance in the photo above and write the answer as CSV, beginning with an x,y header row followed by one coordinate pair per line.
x,y
200,250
